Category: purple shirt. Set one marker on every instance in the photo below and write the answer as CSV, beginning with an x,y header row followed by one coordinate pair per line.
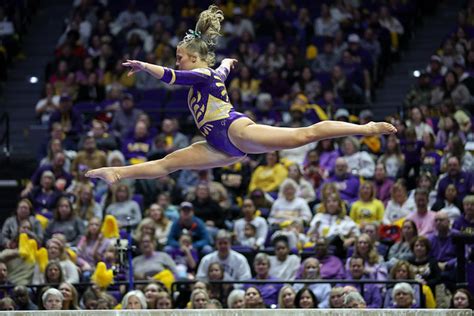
x,y
327,160
348,186
371,293
383,190
269,291
331,268
463,182
443,249
464,226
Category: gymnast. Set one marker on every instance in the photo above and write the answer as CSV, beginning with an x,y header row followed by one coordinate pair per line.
x,y
229,135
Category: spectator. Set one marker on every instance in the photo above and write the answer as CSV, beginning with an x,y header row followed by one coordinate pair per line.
x,y
283,265
371,292
235,299
65,222
423,217
425,181
70,296
56,146
403,296
289,207
383,184
199,299
354,300
305,189
69,118
86,207
47,105
336,297
310,271
247,84
89,156
448,129
401,250
286,297
305,298
462,299
331,266
185,257
151,292
420,93
174,139
45,196
123,207
193,225
392,158
425,267
19,270
455,148
125,117
163,301
22,299
250,217
328,154
374,265
451,89
134,300
462,180
207,209
399,205
235,264
269,292
52,299
465,223
268,176
367,209
151,262
161,223
11,226
451,204
105,141
137,147
325,25
327,59
92,246
218,291
253,298
346,183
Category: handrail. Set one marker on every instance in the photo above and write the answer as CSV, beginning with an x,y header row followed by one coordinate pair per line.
x,y
5,138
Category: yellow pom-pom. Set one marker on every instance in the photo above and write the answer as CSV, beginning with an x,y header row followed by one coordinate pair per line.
x,y
102,277
27,248
110,227
166,277
43,221
71,254
42,258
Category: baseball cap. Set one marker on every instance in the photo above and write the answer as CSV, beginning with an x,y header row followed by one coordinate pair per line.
x,y
186,205
341,113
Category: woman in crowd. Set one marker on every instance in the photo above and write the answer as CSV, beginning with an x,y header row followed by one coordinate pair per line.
x,y
151,262
403,296
250,216
425,267
399,205
164,301
336,297
253,298
374,262
269,175
199,299
134,300
66,222
24,212
86,207
235,299
305,189
52,299
269,292
401,250
360,162
162,223
220,292
70,296
305,298
124,207
462,299
286,297
91,246
392,158
151,292
367,209
310,271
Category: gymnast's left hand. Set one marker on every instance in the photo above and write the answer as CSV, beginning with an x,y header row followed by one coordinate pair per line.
x,y
135,66
229,62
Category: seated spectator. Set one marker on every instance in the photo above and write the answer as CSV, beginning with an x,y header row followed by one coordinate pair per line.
x,y
253,298
171,211
137,147
346,183
99,131
427,182
331,266
187,221
164,301
11,226
125,117
450,88
332,222
383,184
305,189
134,300
289,207
44,196
186,256
399,205
247,84
91,90
161,222
354,300
124,207
418,122
235,264
328,153
151,292
235,300
426,268
57,252
250,217
430,156
463,181
401,250
65,222
263,201
462,299
307,84
269,175
151,262
199,299
336,297
89,156
55,146
69,118
309,270
18,270
52,299
448,128
456,148
208,209
411,148
283,265
269,291
392,158
286,297
423,217
47,105
451,204
22,299
71,298
218,291
305,298
367,209
465,223
5,292
86,207
372,230
312,170
374,265
371,293
361,163
92,246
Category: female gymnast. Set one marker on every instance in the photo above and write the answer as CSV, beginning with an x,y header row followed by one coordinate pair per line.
x,y
230,135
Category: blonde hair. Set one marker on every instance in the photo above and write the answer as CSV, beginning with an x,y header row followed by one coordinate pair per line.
x,y
281,303
203,39
372,255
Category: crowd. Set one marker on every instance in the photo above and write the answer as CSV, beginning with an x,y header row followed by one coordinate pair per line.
x,y
353,209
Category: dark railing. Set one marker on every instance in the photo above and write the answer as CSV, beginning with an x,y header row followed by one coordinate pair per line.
x,y
5,137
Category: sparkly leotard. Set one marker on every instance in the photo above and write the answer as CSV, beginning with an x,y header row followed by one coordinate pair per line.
x,y
209,103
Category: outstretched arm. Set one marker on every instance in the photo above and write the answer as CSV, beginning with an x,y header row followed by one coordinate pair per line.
x,y
226,66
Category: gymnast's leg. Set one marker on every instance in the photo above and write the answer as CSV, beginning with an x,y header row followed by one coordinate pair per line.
x,y
255,138
197,156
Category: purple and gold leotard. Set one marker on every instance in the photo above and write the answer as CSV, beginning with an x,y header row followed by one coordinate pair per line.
x,y
209,104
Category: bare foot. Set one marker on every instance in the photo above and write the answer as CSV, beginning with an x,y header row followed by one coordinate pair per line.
x,y
376,128
109,174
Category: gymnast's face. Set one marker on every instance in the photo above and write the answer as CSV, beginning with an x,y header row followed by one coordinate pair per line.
x,y
184,59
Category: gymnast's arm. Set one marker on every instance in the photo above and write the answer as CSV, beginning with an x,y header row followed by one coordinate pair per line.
x,y
171,76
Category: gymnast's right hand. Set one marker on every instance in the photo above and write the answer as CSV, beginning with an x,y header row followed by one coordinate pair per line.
x,y
108,174
135,66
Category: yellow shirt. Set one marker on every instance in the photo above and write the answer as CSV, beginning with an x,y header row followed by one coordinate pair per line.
x,y
367,212
268,178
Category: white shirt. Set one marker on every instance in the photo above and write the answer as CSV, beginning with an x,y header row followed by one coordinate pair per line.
x,y
235,266
283,210
261,229
329,225
284,270
361,163
395,211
